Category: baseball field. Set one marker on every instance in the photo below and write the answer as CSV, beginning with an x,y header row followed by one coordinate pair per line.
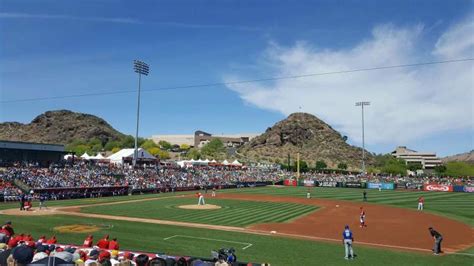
x,y
277,225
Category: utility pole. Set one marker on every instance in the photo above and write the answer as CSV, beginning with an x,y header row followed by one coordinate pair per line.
x,y
362,104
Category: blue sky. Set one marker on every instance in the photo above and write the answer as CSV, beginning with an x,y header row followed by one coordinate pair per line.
x,y
55,48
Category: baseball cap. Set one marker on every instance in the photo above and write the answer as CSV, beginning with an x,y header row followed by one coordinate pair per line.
x,y
41,248
64,255
114,253
94,253
23,254
39,256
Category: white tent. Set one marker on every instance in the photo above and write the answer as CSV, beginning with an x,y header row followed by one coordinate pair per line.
x,y
97,157
128,153
225,162
85,156
213,161
67,156
206,161
236,163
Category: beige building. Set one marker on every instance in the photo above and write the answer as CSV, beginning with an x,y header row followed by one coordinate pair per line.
x,y
175,139
428,160
201,138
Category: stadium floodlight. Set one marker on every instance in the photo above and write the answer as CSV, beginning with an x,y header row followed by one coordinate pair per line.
x,y
362,104
142,69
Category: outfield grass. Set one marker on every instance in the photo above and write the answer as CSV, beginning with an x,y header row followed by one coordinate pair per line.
x,y
459,206
232,213
275,250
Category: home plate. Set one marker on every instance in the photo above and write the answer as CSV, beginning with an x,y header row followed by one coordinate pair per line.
x,y
273,232
337,206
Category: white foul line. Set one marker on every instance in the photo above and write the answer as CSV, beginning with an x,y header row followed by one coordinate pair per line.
x,y
211,239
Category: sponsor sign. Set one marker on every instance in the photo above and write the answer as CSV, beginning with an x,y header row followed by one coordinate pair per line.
x,y
386,186
438,187
354,184
290,182
373,185
327,184
308,183
469,189
458,188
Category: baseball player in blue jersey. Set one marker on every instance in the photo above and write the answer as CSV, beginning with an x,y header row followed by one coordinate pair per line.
x,y
347,239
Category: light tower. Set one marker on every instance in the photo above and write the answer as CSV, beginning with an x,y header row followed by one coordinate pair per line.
x,y
362,104
142,69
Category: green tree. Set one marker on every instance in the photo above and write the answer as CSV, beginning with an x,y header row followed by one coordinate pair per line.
x,y
165,145
116,149
184,147
127,142
193,154
342,166
111,144
303,166
394,166
148,144
321,165
440,169
459,169
413,166
215,148
163,155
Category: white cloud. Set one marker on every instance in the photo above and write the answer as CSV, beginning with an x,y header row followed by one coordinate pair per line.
x,y
406,103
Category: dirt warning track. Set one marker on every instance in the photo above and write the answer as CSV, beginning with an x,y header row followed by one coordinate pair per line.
x,y
388,227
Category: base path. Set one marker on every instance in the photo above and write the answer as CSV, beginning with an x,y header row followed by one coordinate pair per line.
x,y
386,226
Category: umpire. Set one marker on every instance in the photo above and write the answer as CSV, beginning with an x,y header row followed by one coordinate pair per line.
x,y
438,238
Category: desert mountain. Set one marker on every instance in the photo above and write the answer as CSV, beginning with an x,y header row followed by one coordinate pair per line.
x,y
59,127
304,133
467,157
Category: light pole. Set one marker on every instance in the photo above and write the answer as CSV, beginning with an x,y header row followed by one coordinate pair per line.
x,y
362,104
142,69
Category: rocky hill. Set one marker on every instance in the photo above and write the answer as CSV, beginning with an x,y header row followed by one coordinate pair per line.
x,y
467,157
304,133
59,127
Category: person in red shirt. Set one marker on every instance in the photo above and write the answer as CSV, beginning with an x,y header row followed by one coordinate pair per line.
x,y
42,239
88,242
113,244
27,238
52,240
104,242
421,203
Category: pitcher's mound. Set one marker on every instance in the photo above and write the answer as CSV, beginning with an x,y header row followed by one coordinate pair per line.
x,y
199,207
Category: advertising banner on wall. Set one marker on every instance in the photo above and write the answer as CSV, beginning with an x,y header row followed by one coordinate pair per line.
x,y
469,189
385,186
437,187
373,185
354,184
290,182
327,184
308,183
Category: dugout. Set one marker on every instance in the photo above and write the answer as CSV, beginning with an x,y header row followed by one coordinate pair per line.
x,y
44,154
